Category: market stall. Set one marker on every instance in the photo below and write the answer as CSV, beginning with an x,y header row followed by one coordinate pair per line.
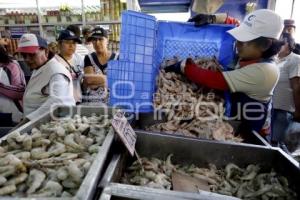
x,y
166,154
61,154
180,144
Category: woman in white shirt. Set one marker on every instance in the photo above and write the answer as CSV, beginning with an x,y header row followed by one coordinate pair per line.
x,y
73,62
95,67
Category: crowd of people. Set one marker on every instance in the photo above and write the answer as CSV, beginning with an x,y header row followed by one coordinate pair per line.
x,y
65,72
71,72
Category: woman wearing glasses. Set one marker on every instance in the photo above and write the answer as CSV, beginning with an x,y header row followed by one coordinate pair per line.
x,y
73,62
50,83
95,66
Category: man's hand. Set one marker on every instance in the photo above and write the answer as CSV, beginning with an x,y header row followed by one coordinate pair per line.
x,y
179,67
218,18
174,68
203,19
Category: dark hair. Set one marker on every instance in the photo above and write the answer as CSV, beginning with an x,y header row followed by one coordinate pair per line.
x,y
273,46
286,37
4,57
87,29
297,49
75,29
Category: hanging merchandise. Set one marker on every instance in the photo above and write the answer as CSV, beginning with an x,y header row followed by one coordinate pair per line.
x,y
206,6
250,6
117,10
17,32
105,9
106,13
111,10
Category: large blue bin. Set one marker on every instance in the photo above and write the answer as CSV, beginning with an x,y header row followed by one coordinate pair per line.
x,y
146,42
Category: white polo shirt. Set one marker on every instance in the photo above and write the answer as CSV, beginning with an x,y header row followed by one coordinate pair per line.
x,y
255,80
77,62
283,94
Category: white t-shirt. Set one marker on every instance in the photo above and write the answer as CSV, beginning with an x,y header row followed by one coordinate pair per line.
x,y
81,50
77,62
89,47
283,94
255,80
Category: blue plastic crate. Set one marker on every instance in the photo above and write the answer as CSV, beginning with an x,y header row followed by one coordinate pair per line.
x,y
131,85
184,40
146,42
138,32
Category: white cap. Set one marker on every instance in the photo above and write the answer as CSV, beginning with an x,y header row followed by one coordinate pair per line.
x,y
30,43
260,23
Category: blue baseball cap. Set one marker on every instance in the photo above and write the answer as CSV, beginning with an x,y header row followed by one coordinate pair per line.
x,y
98,33
68,35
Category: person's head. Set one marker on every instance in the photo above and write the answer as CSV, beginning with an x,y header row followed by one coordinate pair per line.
x,y
67,41
75,29
289,26
87,31
258,35
33,49
53,47
4,41
4,57
289,45
99,39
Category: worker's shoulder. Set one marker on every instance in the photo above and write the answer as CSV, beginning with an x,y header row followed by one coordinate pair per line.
x,y
258,70
260,66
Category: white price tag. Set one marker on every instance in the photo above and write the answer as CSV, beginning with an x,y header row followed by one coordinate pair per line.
x,y
125,131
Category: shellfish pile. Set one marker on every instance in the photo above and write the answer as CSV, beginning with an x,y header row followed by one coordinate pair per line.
x,y
191,110
251,182
53,159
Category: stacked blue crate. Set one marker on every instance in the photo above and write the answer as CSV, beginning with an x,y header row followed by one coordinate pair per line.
x,y
131,80
131,85
145,43
138,34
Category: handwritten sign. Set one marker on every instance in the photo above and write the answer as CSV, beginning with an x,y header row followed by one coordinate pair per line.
x,y
125,131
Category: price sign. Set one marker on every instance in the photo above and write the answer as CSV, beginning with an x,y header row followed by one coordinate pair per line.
x,y
125,131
